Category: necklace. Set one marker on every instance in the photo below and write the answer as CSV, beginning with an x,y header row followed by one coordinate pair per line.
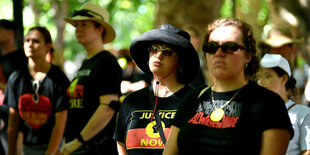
x,y
218,113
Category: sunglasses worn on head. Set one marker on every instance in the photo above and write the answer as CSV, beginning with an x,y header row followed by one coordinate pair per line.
x,y
227,47
86,13
166,52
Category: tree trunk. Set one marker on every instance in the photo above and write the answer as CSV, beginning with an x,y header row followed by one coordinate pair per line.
x,y
61,12
180,13
18,19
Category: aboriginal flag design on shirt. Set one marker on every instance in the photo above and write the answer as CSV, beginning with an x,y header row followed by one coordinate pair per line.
x,y
143,133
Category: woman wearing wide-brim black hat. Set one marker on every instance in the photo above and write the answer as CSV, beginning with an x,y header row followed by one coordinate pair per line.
x,y
166,54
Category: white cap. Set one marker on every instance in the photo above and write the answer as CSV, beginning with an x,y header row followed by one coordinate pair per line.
x,y
275,60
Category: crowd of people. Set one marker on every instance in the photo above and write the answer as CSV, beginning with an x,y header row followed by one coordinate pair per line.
x,y
174,95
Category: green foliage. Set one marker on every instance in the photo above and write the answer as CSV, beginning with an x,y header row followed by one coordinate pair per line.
x,y
245,7
129,18
227,9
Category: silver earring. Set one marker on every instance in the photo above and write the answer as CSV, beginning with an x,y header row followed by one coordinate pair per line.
x,y
180,69
245,66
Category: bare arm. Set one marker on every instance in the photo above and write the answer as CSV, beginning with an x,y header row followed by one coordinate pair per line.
x,y
171,147
57,133
275,142
13,127
121,148
305,152
97,123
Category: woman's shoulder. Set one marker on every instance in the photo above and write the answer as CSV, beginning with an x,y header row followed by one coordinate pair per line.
x,y
19,73
58,75
252,88
139,94
136,99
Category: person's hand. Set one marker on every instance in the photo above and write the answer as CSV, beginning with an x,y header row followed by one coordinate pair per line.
x,y
68,148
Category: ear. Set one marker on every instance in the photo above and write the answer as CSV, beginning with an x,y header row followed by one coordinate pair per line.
x,y
101,29
248,58
284,79
48,46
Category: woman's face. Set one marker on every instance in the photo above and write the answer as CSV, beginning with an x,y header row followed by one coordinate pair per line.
x,y
269,79
86,31
227,65
35,46
162,60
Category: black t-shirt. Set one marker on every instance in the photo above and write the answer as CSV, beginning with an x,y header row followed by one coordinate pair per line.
x,y
97,76
37,119
253,111
8,64
11,62
134,127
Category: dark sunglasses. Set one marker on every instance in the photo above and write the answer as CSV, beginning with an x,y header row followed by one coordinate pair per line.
x,y
86,13
228,47
164,51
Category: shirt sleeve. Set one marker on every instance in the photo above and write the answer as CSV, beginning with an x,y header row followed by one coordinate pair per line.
x,y
60,84
121,127
305,132
186,109
10,98
109,76
272,113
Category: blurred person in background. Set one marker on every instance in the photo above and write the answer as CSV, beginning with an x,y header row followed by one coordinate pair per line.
x,y
280,40
133,78
36,95
12,58
276,76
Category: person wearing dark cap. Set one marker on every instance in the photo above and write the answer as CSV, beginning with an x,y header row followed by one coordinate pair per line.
x,y
95,90
12,58
145,116
235,116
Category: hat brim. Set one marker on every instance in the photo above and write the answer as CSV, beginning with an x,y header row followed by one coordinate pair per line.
x,y
109,35
139,51
280,41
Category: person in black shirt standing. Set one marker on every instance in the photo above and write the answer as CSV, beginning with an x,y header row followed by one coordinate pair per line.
x,y
12,58
168,55
235,115
36,95
95,90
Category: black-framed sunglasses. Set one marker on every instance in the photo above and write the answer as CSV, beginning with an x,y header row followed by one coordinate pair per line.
x,y
166,52
228,47
86,13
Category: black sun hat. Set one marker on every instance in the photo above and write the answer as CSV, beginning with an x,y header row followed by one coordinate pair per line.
x,y
174,37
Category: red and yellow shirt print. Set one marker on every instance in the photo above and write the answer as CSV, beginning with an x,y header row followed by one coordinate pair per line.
x,y
146,135
75,94
229,120
34,114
